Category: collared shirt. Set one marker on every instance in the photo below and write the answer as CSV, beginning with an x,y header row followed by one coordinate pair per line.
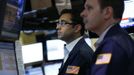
x,y
70,47
103,35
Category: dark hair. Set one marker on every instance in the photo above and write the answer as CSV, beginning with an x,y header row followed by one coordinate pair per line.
x,y
76,18
117,5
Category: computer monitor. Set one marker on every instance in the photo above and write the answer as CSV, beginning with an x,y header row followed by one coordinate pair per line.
x,y
8,61
10,18
55,50
52,68
32,53
128,16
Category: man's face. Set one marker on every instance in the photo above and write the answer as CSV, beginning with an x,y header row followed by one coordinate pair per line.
x,y
92,15
65,30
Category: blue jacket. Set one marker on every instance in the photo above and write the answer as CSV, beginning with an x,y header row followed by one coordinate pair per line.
x,y
78,61
115,54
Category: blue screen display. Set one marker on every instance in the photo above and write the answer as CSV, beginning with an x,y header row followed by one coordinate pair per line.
x,y
21,7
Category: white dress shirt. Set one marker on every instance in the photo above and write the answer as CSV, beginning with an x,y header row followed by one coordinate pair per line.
x,y
70,47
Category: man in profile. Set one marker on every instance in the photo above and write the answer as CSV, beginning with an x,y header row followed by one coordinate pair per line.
x,y
79,55
115,48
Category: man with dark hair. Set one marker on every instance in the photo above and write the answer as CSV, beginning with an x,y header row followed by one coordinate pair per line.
x,y
71,30
115,49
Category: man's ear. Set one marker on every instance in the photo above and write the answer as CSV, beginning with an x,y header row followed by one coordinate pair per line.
x,y
77,28
108,12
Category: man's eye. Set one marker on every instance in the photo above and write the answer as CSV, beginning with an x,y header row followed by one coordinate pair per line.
x,y
62,23
88,7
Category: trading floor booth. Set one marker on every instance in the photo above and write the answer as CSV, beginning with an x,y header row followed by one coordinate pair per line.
x,y
32,55
40,16
43,57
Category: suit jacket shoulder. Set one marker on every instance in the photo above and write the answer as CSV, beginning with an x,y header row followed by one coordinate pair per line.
x,y
80,57
119,44
85,50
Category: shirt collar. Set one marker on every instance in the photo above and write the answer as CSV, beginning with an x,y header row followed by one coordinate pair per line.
x,y
71,45
103,35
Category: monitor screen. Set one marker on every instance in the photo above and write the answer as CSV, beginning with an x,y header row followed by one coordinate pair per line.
x,y
32,53
128,15
11,25
55,49
8,61
52,68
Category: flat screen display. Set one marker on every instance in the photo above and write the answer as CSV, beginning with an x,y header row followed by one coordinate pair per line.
x,y
32,53
52,69
128,15
8,61
12,19
55,49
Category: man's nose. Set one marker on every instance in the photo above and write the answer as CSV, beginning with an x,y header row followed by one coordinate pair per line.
x,y
82,13
58,27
